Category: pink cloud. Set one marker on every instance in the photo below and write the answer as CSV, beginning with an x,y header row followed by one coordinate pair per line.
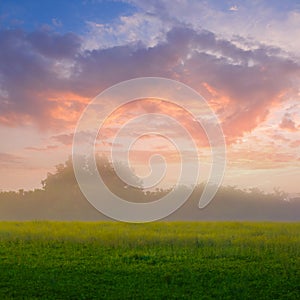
x,y
41,149
287,123
8,160
295,144
65,139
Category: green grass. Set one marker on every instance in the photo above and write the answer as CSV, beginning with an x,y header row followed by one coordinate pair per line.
x,y
164,260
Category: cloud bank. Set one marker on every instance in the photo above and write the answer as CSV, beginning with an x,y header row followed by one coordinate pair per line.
x,y
47,78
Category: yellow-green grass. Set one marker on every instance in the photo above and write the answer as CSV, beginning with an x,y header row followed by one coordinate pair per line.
x,y
163,260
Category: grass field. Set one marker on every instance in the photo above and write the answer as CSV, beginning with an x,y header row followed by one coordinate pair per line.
x,y
164,260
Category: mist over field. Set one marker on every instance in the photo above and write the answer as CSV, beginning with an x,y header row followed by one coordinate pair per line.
x,y
61,199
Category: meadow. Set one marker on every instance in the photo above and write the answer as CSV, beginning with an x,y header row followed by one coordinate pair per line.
x,y
163,260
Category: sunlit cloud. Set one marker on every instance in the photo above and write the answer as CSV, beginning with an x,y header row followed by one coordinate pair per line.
x,y
233,8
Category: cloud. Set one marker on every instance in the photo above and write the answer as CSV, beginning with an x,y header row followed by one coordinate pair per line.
x,y
255,20
53,45
56,22
47,78
39,149
28,74
233,8
8,160
139,27
33,81
295,144
279,137
65,139
287,123
260,159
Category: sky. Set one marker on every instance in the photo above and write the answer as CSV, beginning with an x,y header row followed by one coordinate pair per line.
x,y
243,57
